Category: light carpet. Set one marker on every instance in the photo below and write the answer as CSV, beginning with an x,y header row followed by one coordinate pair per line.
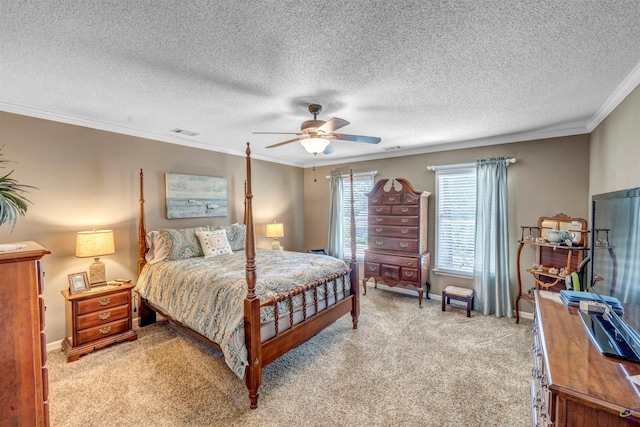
x,y
403,366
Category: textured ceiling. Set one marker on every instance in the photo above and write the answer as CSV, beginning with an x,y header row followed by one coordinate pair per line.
x,y
422,75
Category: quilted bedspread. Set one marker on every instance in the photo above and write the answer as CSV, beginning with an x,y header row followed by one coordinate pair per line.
x,y
207,294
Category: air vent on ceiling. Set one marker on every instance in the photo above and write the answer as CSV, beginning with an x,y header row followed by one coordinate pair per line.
x,y
184,132
395,147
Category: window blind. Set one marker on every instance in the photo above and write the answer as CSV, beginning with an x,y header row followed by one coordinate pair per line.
x,y
362,184
455,220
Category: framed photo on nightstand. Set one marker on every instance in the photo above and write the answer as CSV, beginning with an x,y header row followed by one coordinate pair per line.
x,y
78,282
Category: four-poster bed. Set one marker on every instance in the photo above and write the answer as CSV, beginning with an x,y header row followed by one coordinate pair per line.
x,y
260,308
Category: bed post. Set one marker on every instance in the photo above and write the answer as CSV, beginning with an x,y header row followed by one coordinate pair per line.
x,y
355,290
142,244
146,316
253,372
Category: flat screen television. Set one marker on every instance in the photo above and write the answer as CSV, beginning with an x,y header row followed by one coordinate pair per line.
x,y
614,271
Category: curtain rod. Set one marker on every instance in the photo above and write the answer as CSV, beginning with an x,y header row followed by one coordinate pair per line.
x,y
372,173
463,165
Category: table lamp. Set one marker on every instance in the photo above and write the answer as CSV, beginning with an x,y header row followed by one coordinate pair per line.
x,y
94,244
275,230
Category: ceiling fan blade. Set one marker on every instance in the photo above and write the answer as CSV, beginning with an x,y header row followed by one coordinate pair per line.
x,y
356,138
329,149
278,133
285,142
333,124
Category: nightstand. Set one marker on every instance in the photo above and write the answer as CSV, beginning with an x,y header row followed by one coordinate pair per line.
x,y
97,318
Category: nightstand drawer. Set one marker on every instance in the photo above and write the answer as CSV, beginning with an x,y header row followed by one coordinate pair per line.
x,y
101,317
101,302
102,331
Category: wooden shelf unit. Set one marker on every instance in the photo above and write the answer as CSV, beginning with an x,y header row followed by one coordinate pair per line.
x,y
550,255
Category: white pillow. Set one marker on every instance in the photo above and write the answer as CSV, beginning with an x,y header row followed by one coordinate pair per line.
x,y
157,250
214,242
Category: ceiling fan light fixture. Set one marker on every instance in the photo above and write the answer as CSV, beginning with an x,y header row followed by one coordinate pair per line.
x,y
315,145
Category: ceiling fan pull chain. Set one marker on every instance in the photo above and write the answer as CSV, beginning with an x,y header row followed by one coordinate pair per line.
x,y
314,174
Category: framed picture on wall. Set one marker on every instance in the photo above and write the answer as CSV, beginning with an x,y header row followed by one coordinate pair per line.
x,y
195,196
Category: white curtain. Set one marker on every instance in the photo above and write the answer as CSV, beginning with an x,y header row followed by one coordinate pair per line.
x,y
491,264
336,241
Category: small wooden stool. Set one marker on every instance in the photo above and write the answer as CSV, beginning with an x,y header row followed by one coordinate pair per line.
x,y
461,294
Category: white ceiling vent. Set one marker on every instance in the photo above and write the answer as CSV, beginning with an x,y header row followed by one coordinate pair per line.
x,y
395,147
184,132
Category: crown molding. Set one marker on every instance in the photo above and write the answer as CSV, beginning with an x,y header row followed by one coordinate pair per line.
x,y
621,92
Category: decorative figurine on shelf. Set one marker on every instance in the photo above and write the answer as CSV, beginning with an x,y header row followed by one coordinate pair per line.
x,y
536,267
541,240
563,272
553,270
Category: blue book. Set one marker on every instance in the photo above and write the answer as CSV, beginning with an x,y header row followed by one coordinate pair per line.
x,y
573,298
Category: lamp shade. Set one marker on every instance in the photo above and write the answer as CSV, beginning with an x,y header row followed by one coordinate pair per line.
x,y
94,243
275,230
315,145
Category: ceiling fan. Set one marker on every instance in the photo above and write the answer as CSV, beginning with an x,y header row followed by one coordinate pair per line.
x,y
316,134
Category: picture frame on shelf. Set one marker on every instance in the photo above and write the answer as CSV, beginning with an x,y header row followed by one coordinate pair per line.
x,y
78,282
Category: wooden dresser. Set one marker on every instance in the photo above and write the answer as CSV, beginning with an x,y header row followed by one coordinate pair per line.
x,y
397,236
573,383
24,387
97,318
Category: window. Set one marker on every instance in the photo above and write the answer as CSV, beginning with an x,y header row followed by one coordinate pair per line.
x,y
362,184
455,220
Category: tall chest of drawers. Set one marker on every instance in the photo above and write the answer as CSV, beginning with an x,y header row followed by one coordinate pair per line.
x,y
24,386
397,236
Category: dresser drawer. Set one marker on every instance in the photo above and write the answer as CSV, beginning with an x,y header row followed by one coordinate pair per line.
x,y
410,199
393,244
405,210
407,221
410,275
102,331
390,272
101,317
379,210
391,199
101,302
394,231
391,259
371,269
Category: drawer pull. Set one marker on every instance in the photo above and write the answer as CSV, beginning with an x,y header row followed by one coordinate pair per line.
x,y
404,230
410,262
409,274
392,199
387,274
104,331
379,242
378,219
410,200
405,220
105,301
378,210
404,245
372,257
104,316
371,268
378,230
405,210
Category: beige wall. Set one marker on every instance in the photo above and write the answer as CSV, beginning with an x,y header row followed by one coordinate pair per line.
x,y
88,178
551,176
615,148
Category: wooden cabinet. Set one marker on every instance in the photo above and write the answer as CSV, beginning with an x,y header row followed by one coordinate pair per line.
x,y
397,236
97,318
553,260
573,384
24,387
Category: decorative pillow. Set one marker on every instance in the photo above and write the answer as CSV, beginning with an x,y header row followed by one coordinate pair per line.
x,y
236,234
157,250
182,244
214,243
